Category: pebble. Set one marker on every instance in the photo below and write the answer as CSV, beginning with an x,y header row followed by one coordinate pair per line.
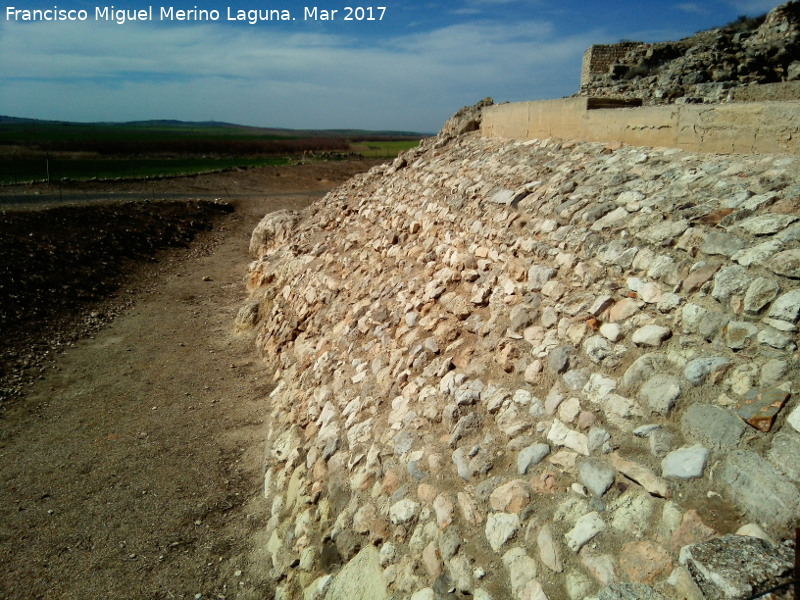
x,y
577,585
585,530
444,509
611,331
759,294
500,528
549,550
651,335
561,435
596,475
794,419
698,370
641,475
786,263
531,456
660,393
631,513
786,307
522,570
685,463
404,511
461,461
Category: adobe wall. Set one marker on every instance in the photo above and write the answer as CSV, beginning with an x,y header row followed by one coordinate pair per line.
x,y
752,128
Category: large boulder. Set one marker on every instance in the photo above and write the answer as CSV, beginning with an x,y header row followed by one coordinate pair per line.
x,y
275,227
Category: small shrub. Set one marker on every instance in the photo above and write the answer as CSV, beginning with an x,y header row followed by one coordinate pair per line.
x,y
744,23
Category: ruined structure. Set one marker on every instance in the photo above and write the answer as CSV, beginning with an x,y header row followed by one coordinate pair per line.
x,y
713,66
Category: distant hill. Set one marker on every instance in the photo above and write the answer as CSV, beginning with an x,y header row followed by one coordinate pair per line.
x,y
196,126
169,138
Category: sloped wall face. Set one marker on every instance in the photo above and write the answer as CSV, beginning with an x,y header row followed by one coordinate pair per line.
x,y
534,369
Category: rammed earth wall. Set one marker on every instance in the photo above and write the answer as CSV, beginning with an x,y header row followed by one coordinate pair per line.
x,y
598,59
533,369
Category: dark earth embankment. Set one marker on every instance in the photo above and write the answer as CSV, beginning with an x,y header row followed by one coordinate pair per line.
x,y
58,261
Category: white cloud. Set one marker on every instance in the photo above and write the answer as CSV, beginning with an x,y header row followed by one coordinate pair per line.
x,y
98,71
691,7
485,7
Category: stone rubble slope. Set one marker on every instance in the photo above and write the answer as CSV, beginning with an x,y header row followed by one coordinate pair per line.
x,y
533,369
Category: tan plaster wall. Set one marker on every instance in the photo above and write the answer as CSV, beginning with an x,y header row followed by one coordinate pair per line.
x,y
751,128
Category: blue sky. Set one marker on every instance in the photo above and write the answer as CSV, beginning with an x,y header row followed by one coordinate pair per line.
x,y
409,71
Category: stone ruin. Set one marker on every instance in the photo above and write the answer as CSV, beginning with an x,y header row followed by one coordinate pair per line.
x,y
533,369
750,59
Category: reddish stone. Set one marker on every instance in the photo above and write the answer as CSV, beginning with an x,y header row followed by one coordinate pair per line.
x,y
391,482
469,509
311,430
444,509
645,562
320,470
426,492
586,419
623,310
367,481
715,217
511,497
461,359
692,530
364,518
507,357
760,406
316,490
545,483
696,279
432,560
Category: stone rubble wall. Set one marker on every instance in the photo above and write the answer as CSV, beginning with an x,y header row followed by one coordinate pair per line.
x,y
746,128
533,369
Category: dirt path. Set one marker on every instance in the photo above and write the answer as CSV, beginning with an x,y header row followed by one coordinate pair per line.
x,y
131,470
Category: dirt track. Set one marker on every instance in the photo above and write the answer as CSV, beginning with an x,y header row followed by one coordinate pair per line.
x,y
131,468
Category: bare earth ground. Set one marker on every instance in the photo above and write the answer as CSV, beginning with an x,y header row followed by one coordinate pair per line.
x,y
130,467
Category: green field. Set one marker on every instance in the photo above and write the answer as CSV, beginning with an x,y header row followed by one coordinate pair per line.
x,y
33,169
383,149
50,134
33,150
